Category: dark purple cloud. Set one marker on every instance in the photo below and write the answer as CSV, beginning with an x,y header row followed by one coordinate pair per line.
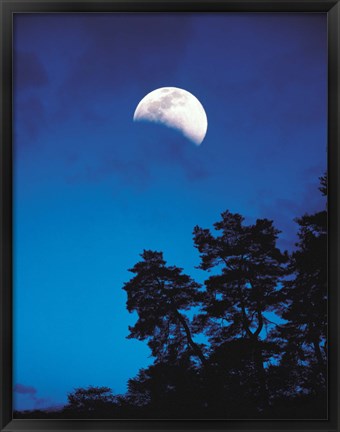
x,y
166,147
287,80
28,71
153,148
129,172
284,211
23,389
31,393
121,58
29,76
29,117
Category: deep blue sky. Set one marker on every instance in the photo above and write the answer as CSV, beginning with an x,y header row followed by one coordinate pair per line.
x,y
92,189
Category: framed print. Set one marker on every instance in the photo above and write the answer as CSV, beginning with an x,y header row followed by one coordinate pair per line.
x,y
169,215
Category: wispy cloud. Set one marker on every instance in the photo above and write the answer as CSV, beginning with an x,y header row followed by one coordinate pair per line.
x,y
23,389
31,393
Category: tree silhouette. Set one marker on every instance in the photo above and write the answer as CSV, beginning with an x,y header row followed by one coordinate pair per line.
x,y
252,364
84,401
169,390
250,268
160,294
304,304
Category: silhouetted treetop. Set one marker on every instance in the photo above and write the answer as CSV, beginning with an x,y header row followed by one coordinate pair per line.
x,y
304,304
261,313
159,293
268,361
85,400
251,267
166,285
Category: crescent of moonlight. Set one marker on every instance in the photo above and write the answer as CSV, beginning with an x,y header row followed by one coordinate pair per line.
x,y
175,108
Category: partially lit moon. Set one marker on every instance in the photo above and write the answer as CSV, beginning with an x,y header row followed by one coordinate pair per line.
x,y
175,108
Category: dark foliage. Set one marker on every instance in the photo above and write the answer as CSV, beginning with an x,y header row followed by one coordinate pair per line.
x,y
261,312
160,294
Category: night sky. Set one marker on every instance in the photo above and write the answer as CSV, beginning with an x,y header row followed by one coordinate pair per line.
x,y
92,189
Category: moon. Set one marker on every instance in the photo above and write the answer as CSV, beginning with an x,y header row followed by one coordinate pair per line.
x,y
175,108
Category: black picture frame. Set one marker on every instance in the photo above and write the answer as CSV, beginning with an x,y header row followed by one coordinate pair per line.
x,y
10,7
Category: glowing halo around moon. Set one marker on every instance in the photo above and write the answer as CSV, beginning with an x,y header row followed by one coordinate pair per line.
x,y
175,108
